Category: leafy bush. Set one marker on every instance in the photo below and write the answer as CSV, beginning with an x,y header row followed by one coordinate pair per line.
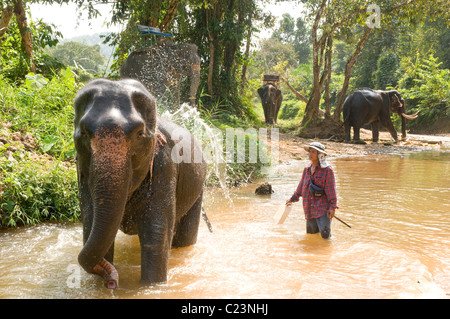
x,y
35,191
291,108
387,73
426,88
43,108
14,63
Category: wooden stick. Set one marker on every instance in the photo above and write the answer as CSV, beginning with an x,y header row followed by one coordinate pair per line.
x,y
343,222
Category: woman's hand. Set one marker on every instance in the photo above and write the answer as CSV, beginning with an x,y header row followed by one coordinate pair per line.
x,y
288,202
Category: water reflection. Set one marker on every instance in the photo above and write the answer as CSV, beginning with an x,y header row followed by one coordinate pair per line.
x,y
398,246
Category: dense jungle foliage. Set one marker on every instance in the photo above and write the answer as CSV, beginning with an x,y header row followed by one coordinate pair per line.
x,y
326,51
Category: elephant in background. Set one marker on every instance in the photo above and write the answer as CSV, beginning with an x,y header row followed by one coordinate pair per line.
x,y
271,98
367,106
129,178
162,68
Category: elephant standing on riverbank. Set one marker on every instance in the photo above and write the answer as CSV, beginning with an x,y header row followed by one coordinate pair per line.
x,y
130,177
367,106
162,67
271,98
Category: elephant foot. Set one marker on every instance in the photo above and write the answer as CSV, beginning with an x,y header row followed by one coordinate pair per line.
x,y
359,142
108,272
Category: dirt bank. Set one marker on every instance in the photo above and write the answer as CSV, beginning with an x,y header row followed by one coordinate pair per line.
x,y
291,147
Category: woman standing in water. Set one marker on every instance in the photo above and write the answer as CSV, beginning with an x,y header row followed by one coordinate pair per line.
x,y
318,189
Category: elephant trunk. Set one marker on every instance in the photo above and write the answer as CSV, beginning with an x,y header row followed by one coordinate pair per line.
x,y
402,112
109,190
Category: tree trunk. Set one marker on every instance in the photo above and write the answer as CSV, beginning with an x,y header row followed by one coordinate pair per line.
x,y
230,46
211,56
22,23
211,15
312,107
7,14
328,55
170,14
348,72
297,94
247,51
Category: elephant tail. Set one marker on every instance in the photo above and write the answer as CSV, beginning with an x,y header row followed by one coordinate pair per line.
x,y
206,219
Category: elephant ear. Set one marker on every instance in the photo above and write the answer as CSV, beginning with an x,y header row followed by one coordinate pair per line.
x,y
159,144
261,92
278,93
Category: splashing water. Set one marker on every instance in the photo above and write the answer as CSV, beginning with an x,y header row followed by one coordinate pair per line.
x,y
207,135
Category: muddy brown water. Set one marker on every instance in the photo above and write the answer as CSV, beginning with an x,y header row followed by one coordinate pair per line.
x,y
398,247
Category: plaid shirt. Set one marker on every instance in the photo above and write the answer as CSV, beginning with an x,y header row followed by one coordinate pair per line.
x,y
315,207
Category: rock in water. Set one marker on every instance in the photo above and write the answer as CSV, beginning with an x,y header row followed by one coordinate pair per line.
x,y
264,189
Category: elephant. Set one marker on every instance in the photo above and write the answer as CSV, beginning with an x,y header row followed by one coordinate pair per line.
x,y
130,178
367,106
271,98
162,67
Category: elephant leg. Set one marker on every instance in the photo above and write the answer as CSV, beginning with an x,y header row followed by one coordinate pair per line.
x,y
155,248
403,128
347,131
356,137
356,129
375,131
186,230
155,232
390,127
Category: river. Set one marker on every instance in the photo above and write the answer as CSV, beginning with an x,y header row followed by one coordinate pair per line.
x,y
398,245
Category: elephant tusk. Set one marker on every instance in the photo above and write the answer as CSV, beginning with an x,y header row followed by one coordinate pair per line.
x,y
108,272
410,117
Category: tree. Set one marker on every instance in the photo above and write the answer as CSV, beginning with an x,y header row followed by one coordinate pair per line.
x,y
271,53
388,71
221,30
87,57
295,33
345,19
17,7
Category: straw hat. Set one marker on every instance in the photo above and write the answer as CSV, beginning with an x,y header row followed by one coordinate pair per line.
x,y
317,146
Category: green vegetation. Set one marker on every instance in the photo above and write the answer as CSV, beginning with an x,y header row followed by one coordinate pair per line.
x,y
321,56
43,108
34,191
412,57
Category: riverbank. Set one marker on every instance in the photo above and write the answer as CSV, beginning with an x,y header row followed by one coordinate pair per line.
x,y
291,146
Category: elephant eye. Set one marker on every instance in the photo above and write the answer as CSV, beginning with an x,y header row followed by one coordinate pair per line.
x,y
141,134
82,133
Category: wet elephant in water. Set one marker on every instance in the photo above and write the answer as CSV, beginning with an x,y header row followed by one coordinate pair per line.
x,y
367,106
130,177
162,68
271,98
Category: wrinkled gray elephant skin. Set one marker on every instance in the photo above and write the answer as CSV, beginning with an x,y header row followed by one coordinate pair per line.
x,y
367,106
128,179
162,68
271,98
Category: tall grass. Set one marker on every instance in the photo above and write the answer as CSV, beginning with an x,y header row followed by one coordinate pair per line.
x,y
35,187
44,109
36,191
